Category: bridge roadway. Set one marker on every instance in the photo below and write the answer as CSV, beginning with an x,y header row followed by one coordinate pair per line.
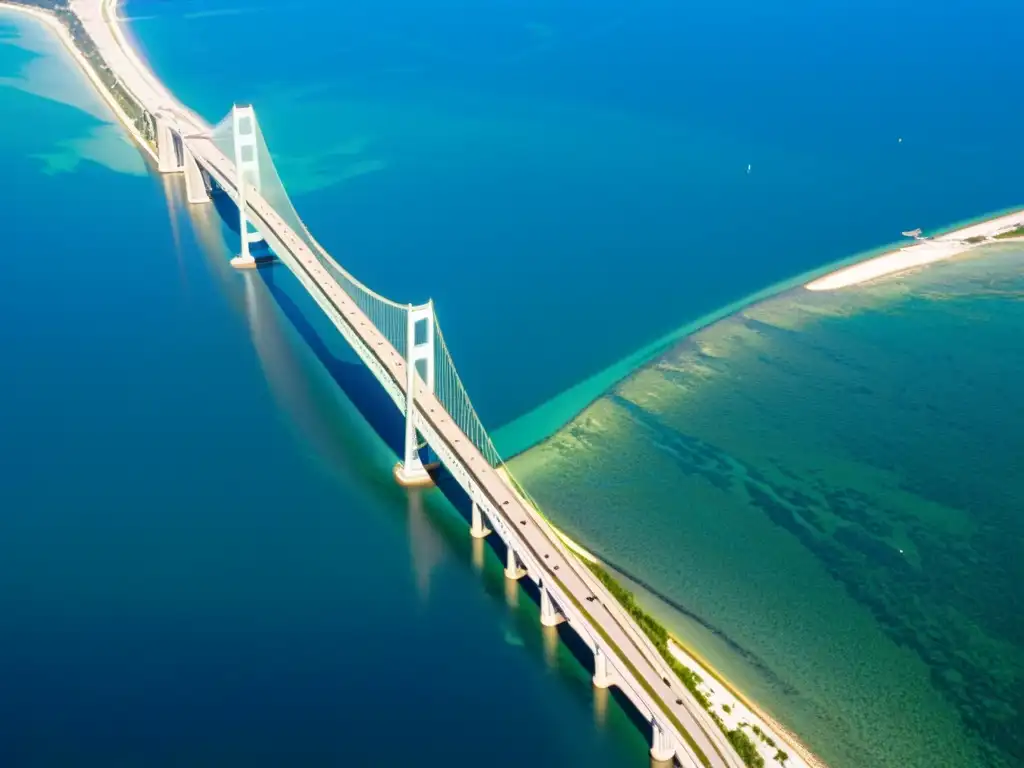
x,y
635,665
551,563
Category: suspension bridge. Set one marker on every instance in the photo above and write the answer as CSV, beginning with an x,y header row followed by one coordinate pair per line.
x,y
402,344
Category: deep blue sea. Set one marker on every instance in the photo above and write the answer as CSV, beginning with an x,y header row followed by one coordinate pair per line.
x,y
197,486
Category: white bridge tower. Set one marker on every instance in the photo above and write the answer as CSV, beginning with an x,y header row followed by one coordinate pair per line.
x,y
243,119
419,363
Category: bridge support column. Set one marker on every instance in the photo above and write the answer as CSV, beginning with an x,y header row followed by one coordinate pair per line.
x,y
512,569
166,147
602,678
247,166
661,744
550,616
477,529
195,182
419,365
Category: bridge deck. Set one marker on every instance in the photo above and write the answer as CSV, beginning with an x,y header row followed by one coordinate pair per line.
x,y
550,556
639,669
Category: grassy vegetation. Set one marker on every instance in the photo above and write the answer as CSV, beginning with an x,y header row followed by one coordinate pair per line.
x,y
659,637
762,735
1015,232
616,589
976,239
643,682
745,748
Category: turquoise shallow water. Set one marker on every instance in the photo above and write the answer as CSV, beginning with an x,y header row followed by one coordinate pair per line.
x,y
204,559
824,493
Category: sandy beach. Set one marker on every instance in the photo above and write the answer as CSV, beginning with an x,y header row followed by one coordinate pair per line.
x,y
737,712
734,709
924,251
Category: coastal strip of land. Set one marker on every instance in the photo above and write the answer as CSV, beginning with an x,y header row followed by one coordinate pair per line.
x,y
65,30
927,250
764,740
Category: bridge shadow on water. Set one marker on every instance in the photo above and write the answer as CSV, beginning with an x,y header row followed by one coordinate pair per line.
x,y
228,212
375,405
355,379
567,636
226,209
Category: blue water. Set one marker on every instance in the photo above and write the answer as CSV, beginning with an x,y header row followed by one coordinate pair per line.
x,y
569,180
197,503
203,557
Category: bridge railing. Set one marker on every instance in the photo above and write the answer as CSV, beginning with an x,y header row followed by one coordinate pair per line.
x,y
389,316
449,389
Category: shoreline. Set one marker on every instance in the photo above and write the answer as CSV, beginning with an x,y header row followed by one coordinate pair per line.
x,y
53,23
922,253
726,703
722,694
537,425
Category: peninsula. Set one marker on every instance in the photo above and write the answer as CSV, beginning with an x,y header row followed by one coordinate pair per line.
x,y
927,250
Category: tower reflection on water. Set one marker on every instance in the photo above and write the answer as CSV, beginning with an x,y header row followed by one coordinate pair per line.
x,y
426,546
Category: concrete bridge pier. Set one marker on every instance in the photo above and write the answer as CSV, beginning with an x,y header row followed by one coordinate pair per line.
x,y
196,190
550,616
167,147
602,675
512,569
477,529
662,750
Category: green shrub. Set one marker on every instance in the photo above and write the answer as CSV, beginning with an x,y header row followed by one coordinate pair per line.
x,y
659,637
1016,232
745,748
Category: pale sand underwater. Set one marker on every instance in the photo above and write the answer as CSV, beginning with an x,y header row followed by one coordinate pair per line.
x,y
46,75
826,488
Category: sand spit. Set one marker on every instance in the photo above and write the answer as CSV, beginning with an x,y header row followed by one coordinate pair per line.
x,y
926,250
